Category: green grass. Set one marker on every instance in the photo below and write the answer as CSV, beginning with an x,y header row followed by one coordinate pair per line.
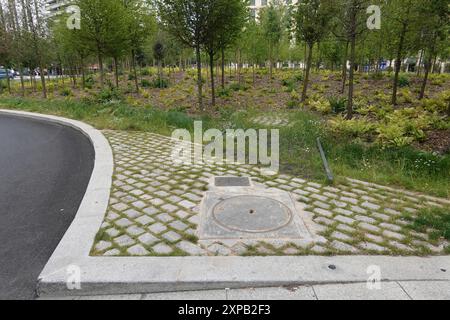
x,y
402,167
434,221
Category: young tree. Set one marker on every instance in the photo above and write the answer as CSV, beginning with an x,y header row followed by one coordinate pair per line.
x,y
403,17
187,21
224,24
159,54
141,25
435,29
352,21
104,30
312,21
272,30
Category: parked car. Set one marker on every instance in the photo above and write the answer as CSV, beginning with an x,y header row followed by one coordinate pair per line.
x,y
6,73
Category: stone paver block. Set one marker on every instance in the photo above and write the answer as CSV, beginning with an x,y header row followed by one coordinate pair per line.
x,y
148,239
124,241
137,250
162,248
171,236
157,228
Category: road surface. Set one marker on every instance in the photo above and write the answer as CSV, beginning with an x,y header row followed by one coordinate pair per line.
x,y
44,172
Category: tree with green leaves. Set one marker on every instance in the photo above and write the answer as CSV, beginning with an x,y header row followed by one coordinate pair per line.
x,y
435,30
224,24
187,20
351,20
141,25
104,30
271,18
312,22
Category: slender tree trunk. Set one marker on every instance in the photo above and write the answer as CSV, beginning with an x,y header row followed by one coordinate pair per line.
x,y
133,66
83,73
100,66
271,61
308,69
22,84
425,78
254,74
344,68
351,77
8,82
223,68
398,64
213,88
116,72
199,77
44,86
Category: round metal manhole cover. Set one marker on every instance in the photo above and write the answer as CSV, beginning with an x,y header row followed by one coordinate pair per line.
x,y
252,214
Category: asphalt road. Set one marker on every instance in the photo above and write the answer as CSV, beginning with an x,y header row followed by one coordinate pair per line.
x,y
44,172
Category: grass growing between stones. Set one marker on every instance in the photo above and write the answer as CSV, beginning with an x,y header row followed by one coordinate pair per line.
x,y
435,221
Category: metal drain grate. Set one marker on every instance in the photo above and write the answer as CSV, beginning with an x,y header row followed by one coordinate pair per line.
x,y
232,182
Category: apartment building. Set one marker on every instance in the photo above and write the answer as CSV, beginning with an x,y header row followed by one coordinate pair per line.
x,y
55,7
256,5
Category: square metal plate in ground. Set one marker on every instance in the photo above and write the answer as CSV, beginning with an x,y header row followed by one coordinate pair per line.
x,y
232,182
261,214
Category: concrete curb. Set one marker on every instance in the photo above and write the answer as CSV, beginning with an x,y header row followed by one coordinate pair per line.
x,y
128,275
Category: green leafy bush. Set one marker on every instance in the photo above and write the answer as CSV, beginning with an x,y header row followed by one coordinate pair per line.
x,y
109,94
337,104
66,92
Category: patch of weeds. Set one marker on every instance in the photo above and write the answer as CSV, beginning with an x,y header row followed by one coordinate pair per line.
x,y
338,105
433,221
191,238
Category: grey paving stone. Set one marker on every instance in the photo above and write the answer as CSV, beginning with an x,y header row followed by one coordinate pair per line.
x,y
148,239
150,211
103,245
390,226
145,220
137,250
190,248
112,252
124,222
120,206
162,248
169,208
365,219
157,228
370,205
372,247
135,231
132,213
369,227
340,236
343,246
171,236
343,219
124,241
394,235
343,211
323,212
164,217
112,232
358,210
179,225
187,204
350,200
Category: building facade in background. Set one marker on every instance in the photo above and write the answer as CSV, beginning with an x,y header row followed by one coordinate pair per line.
x,y
256,5
55,7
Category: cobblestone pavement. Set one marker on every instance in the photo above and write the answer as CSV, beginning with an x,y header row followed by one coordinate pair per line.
x,y
273,120
154,209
